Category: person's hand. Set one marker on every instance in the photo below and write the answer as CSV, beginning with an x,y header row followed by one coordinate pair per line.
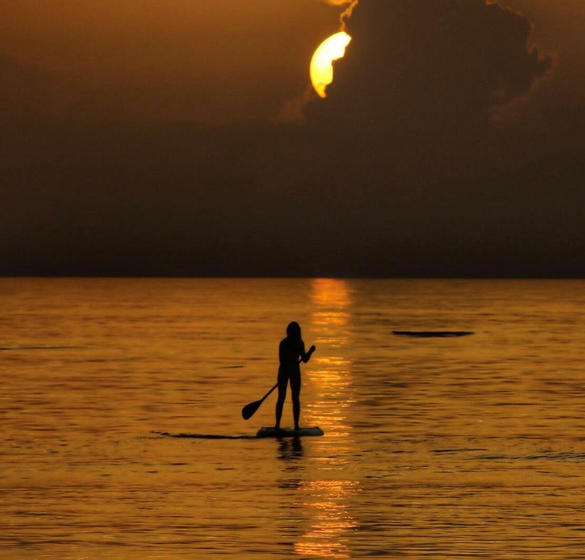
x,y
312,349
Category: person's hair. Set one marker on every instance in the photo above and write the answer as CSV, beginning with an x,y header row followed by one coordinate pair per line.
x,y
293,330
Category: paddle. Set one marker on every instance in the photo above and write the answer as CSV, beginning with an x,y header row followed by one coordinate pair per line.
x,y
250,409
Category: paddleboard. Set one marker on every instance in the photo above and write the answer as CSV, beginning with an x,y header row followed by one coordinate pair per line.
x,y
289,432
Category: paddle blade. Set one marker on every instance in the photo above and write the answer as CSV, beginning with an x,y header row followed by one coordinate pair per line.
x,y
249,410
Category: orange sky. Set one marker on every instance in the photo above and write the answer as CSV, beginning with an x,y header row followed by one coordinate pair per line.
x,y
211,60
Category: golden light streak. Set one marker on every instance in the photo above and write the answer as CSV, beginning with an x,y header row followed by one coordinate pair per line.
x,y
331,372
328,534
327,501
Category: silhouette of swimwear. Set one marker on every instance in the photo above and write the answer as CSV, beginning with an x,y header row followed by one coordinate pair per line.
x,y
291,352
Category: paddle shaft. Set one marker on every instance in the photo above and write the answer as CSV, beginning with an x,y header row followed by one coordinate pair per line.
x,y
275,386
266,395
249,410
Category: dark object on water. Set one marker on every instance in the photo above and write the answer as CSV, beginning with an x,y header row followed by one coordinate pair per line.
x,y
202,436
289,432
432,334
262,433
251,408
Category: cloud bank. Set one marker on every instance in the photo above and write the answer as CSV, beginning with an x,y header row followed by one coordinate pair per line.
x,y
429,67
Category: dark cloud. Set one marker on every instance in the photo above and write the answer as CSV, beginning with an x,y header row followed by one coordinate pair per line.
x,y
429,66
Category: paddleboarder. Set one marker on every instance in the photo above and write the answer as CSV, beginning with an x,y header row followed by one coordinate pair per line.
x,y
291,353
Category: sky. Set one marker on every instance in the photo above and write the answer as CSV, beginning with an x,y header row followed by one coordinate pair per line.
x,y
183,138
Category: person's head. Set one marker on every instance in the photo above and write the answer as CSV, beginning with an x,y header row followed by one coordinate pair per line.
x,y
293,330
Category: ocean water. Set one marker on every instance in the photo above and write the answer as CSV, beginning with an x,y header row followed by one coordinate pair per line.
x,y
469,447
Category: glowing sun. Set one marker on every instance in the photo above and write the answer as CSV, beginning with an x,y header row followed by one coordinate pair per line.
x,y
321,69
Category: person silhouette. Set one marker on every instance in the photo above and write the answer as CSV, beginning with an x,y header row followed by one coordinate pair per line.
x,y
291,353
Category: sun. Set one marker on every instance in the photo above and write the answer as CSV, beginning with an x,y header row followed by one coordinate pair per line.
x,y
321,69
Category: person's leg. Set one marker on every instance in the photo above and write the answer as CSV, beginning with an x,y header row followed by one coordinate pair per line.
x,y
282,383
295,386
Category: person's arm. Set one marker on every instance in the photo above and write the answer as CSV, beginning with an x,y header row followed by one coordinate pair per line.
x,y
306,356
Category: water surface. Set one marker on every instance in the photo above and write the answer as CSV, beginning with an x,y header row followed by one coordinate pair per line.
x,y
434,448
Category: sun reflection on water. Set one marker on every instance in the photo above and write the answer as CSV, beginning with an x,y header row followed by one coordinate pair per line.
x,y
326,501
331,374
